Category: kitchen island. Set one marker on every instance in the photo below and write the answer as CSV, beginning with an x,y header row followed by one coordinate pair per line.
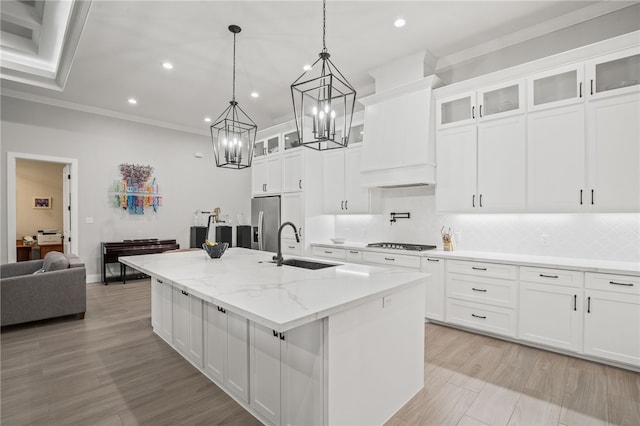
x,y
339,345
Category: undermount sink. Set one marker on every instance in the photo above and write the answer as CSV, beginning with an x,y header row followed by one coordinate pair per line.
x,y
307,264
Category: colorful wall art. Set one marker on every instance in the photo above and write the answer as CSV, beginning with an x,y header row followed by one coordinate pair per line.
x,y
137,190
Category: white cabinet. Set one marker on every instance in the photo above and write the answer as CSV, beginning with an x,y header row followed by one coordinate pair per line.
x,y
614,74
556,88
482,168
614,153
612,317
399,260
398,148
331,253
226,359
287,374
434,294
266,175
292,211
187,325
353,256
550,310
162,308
343,190
293,170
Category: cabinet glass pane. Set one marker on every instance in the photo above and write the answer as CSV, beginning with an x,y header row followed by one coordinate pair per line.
x,y
555,88
619,73
291,140
259,149
272,145
501,100
356,135
457,110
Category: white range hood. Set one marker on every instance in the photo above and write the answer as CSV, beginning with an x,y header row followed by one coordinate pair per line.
x,y
399,126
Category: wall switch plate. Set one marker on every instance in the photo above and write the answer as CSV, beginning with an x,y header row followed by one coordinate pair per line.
x,y
387,301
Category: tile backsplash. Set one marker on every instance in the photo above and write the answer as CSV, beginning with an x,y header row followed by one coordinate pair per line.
x,y
605,236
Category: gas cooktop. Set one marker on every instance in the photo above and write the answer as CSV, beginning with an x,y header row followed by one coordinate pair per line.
x,y
401,246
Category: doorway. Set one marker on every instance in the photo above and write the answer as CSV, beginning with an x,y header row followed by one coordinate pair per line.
x,y
69,200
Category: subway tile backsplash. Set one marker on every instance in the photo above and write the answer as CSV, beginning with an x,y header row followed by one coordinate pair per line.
x,y
606,236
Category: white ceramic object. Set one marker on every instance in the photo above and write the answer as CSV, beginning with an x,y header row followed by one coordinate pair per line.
x,y
338,240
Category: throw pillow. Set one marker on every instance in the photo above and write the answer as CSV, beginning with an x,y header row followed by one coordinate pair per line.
x,y
54,261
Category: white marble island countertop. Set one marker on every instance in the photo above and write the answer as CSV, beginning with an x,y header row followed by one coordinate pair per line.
x,y
247,283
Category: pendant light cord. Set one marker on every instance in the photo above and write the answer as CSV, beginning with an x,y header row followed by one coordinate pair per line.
x,y
234,67
324,25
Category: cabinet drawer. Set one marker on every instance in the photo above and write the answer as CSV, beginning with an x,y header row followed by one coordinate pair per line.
x,y
616,283
391,259
482,269
552,276
493,291
329,252
482,317
291,246
354,256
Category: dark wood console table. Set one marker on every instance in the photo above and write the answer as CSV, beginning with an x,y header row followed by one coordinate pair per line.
x,y
111,252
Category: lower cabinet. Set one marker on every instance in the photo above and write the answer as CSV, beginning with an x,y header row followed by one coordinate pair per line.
x,y
550,313
612,317
162,308
187,325
226,337
434,294
287,374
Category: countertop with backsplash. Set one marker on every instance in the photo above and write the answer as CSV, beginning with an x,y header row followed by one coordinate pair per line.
x,y
577,264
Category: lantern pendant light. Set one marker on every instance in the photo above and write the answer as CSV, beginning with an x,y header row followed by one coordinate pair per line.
x,y
323,102
233,133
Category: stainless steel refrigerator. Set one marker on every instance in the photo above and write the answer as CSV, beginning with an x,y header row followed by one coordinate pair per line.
x,y
265,221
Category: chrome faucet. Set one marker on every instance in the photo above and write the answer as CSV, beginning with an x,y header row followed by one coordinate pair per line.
x,y
278,257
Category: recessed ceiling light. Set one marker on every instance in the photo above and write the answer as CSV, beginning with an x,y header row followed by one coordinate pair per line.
x,y
132,101
306,67
255,94
399,23
167,65
207,119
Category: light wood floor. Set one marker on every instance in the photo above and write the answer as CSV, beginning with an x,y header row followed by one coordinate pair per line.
x,y
110,369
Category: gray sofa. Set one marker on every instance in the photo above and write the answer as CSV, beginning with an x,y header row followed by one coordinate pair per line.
x,y
46,288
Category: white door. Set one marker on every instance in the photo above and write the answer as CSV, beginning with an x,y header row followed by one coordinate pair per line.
x,y
612,326
215,338
195,317
551,315
614,153
556,160
356,196
265,372
156,305
181,321
258,177
274,174
166,302
333,183
292,171
434,294
237,357
456,171
292,211
66,208
502,165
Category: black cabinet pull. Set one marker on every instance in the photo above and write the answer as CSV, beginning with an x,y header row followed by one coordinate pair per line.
x,y
548,276
473,200
291,247
160,282
353,252
300,183
342,205
481,290
592,86
473,111
581,197
220,309
624,284
478,316
575,302
480,111
184,292
580,91
589,304
275,333
592,197
328,252
346,207
433,260
389,258
281,336
477,268
480,200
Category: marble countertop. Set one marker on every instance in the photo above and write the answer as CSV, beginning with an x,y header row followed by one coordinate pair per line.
x,y
247,283
585,265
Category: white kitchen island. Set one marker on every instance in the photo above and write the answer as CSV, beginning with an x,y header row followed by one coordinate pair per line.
x,y
333,346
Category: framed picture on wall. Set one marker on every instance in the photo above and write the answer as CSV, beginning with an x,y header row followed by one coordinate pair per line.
x,y
41,202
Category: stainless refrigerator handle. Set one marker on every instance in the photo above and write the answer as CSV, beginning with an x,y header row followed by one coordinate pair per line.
x,y
260,220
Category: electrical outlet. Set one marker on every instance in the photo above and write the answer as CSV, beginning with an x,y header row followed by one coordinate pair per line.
x,y
387,301
544,240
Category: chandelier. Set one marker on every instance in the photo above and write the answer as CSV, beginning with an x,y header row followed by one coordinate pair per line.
x,y
323,102
233,133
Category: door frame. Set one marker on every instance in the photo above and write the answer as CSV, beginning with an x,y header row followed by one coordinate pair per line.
x,y
11,198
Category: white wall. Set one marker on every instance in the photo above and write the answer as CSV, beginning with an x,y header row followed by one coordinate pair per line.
x,y
606,236
38,179
100,144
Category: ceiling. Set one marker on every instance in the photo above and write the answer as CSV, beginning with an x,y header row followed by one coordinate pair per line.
x,y
113,50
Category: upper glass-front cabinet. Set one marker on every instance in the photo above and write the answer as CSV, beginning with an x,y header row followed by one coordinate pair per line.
x,y
505,99
266,146
456,110
291,140
557,87
615,73
356,134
